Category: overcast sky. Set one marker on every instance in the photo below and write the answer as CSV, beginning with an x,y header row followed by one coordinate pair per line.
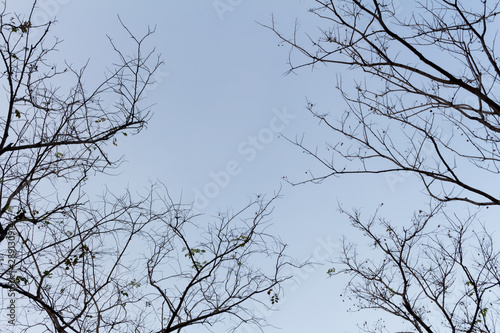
x,y
221,105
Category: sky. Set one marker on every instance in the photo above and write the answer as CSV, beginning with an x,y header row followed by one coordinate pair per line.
x,y
221,106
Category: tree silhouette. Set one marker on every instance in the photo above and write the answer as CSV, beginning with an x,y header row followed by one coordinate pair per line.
x,y
114,263
426,103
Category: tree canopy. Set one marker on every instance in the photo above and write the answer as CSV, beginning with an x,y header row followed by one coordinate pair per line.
x,y
425,101
116,262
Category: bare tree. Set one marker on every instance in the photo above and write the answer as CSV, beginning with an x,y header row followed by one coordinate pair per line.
x,y
427,105
149,265
436,277
129,263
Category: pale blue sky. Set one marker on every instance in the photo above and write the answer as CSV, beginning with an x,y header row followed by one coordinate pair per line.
x,y
221,89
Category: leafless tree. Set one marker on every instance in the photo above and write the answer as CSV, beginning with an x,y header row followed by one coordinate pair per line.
x,y
125,265
437,278
115,263
427,104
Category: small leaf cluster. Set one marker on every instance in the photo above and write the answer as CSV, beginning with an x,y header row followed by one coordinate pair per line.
x,y
191,255
274,296
23,27
74,260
